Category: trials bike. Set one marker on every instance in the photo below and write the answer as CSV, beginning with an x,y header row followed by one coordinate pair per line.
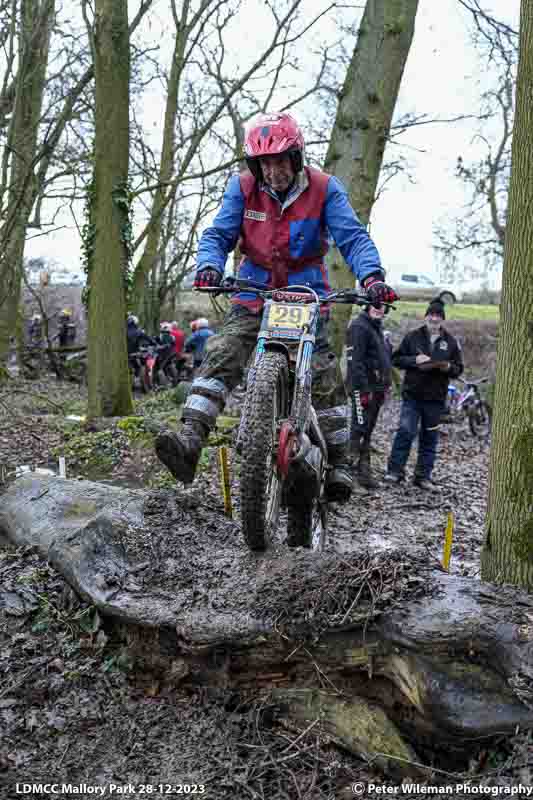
x,y
469,403
284,457
141,365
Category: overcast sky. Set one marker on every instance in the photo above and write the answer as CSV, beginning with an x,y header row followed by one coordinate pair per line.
x,y
442,78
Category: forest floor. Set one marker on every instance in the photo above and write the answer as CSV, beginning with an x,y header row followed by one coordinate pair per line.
x,y
75,709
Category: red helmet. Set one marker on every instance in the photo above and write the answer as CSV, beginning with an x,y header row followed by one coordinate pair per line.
x,y
270,135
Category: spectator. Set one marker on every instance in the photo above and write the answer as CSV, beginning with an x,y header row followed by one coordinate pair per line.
x,y
179,339
369,379
197,341
35,330
430,356
66,328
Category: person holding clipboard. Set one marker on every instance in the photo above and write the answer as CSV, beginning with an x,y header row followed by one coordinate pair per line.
x,y
430,357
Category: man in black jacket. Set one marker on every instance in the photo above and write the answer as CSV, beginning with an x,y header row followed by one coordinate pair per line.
x,y
430,356
369,378
136,336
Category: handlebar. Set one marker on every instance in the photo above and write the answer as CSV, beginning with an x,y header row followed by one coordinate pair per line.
x,y
473,383
346,296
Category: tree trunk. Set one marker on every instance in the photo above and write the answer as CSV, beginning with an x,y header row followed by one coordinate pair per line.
x,y
508,552
109,384
36,20
363,120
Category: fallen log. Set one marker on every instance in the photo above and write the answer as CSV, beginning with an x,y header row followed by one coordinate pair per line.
x,y
420,656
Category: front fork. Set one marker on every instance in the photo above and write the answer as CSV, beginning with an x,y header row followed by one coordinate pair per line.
x,y
298,434
302,449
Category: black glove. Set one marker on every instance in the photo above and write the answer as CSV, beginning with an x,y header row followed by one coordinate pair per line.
x,y
378,292
207,276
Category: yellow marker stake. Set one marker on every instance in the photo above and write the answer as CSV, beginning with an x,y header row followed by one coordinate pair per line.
x,y
448,537
224,477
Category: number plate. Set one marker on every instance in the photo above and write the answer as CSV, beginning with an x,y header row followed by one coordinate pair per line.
x,y
288,316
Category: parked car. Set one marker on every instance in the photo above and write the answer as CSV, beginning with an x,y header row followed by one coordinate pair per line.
x,y
415,286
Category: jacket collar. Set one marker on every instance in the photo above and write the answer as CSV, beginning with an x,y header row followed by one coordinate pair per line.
x,y
301,183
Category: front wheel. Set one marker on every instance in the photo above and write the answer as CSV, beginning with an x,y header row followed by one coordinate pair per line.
x,y
479,420
261,485
172,373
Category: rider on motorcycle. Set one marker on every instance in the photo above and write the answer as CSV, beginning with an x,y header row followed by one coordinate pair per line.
x,y
165,337
165,341
281,213
136,336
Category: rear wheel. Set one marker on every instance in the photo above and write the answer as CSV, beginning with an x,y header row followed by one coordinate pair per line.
x,y
172,373
448,298
479,419
160,378
260,482
307,525
146,379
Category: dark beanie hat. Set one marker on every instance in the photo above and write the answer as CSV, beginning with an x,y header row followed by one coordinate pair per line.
x,y
436,307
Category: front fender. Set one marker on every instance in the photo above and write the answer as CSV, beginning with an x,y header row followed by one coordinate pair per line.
x,y
279,347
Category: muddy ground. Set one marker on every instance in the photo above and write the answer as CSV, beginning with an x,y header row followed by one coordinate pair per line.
x,y
74,705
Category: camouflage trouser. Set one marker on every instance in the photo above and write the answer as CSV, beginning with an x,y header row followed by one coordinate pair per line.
x,y
227,355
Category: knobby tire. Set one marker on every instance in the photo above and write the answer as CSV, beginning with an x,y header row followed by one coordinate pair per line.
x,y
266,403
479,419
146,380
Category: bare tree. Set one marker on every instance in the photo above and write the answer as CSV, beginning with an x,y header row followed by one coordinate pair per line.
x,y
478,231
39,160
364,116
200,115
32,27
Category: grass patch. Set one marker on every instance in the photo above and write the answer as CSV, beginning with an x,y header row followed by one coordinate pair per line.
x,y
457,311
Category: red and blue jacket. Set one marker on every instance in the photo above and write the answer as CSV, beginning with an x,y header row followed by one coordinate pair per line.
x,y
285,242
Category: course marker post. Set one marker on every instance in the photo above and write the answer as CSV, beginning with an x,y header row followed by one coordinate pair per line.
x,y
224,479
448,538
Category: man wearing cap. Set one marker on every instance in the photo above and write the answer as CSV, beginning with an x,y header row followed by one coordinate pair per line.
x,y
430,356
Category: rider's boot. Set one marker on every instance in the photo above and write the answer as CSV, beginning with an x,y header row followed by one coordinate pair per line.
x,y
364,471
334,427
339,483
180,452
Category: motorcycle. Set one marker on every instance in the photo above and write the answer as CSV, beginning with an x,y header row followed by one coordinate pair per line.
x,y
469,404
142,368
165,370
284,457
